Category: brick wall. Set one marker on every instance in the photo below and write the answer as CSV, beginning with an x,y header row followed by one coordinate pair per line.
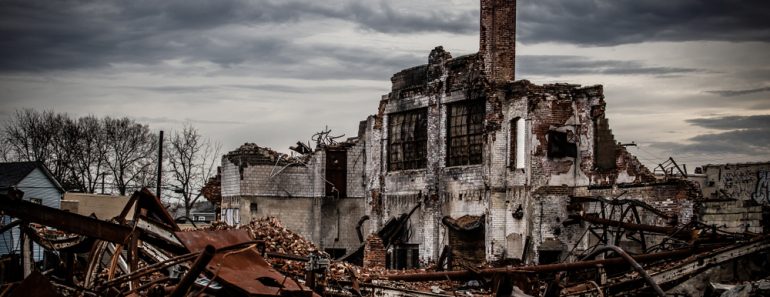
x,y
374,252
498,38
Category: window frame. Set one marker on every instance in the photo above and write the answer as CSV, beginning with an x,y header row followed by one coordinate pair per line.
x,y
517,143
465,133
408,150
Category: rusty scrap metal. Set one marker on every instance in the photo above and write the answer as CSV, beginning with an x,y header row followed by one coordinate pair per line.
x,y
635,265
650,208
463,275
10,225
671,231
240,268
195,270
64,220
149,269
672,275
36,284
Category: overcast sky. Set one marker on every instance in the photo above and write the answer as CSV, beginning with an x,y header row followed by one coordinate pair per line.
x,y
682,78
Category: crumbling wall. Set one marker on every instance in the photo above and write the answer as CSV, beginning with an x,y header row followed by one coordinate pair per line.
x,y
549,235
747,181
258,182
675,197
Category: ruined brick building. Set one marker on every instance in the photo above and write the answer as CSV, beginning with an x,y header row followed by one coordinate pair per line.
x,y
479,164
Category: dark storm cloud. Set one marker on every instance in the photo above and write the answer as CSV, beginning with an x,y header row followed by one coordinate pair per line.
x,y
610,22
43,35
40,35
734,122
748,135
275,88
571,65
733,93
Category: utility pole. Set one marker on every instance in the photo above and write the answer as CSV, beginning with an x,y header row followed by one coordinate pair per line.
x,y
160,163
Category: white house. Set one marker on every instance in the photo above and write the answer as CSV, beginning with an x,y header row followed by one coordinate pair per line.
x,y
39,186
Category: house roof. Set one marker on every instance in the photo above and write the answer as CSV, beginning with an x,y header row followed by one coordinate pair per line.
x,y
12,173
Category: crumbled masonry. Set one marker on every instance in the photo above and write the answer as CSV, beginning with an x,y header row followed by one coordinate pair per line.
x,y
465,182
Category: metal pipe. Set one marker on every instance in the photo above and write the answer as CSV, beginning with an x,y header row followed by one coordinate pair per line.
x,y
631,262
195,270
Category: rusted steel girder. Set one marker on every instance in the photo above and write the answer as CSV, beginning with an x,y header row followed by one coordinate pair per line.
x,y
195,270
671,275
63,220
463,275
579,199
671,231
631,262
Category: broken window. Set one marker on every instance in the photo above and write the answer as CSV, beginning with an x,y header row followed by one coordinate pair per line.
x,y
408,140
404,256
559,145
465,130
517,150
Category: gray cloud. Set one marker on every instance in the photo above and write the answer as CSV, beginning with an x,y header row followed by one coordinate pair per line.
x,y
748,135
276,88
50,35
167,120
43,35
610,22
734,122
571,65
733,93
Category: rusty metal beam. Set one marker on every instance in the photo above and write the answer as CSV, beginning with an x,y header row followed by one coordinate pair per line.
x,y
462,275
579,199
675,274
63,220
633,264
195,270
9,226
671,231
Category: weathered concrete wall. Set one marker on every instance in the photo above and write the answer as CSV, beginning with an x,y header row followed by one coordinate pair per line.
x,y
258,182
749,181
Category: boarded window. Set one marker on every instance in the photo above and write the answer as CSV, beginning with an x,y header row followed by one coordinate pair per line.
x,y
517,150
465,131
408,140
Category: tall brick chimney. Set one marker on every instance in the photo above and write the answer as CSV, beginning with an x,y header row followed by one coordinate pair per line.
x,y
498,39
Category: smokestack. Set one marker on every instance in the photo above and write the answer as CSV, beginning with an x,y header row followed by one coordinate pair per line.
x,y
497,42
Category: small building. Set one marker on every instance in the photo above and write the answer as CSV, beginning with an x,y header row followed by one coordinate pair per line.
x,y
104,207
39,186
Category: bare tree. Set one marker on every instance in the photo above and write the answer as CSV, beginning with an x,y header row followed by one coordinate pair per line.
x,y
192,161
6,151
130,147
41,136
89,153
28,136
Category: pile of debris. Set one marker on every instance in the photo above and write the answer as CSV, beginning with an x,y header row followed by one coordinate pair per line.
x,y
147,255
278,239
